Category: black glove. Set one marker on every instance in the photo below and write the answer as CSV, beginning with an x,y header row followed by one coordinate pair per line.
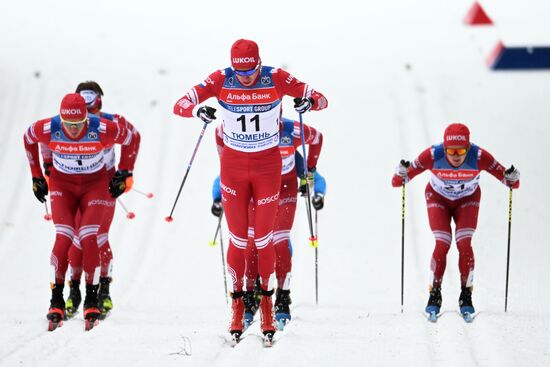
x,y
47,167
206,114
40,188
217,208
318,201
118,185
302,105
307,180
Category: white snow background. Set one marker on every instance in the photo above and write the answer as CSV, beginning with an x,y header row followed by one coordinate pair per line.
x,y
395,74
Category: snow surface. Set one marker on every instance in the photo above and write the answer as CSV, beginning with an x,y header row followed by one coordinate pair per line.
x,y
395,73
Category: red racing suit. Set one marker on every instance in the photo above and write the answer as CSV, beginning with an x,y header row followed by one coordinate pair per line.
x,y
105,251
290,140
78,181
250,160
453,193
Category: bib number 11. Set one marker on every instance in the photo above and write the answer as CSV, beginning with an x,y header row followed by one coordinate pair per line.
x,y
255,119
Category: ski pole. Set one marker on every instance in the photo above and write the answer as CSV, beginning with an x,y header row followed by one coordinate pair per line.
x,y
148,195
129,214
316,264
47,216
402,243
223,264
213,242
312,239
169,218
406,164
508,251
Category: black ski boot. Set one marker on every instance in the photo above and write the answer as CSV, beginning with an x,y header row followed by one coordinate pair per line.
x,y
250,308
258,291
73,302
91,307
465,303
56,313
105,302
282,307
434,303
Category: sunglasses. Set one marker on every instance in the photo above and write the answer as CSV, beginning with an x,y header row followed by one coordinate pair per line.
x,y
73,123
456,151
247,72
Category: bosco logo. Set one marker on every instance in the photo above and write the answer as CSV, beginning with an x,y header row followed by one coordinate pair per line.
x,y
268,200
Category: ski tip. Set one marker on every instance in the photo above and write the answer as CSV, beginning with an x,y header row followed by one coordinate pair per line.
x,y
432,316
281,324
282,319
90,323
268,339
468,317
52,325
235,337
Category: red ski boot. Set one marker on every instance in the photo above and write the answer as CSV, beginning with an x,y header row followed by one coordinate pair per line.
x,y
237,319
266,314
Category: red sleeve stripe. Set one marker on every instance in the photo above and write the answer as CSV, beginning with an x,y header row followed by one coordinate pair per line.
x,y
128,139
102,127
192,96
310,138
307,91
30,136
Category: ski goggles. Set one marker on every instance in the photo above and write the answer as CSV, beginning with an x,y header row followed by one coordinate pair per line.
x,y
90,97
73,123
456,151
246,72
